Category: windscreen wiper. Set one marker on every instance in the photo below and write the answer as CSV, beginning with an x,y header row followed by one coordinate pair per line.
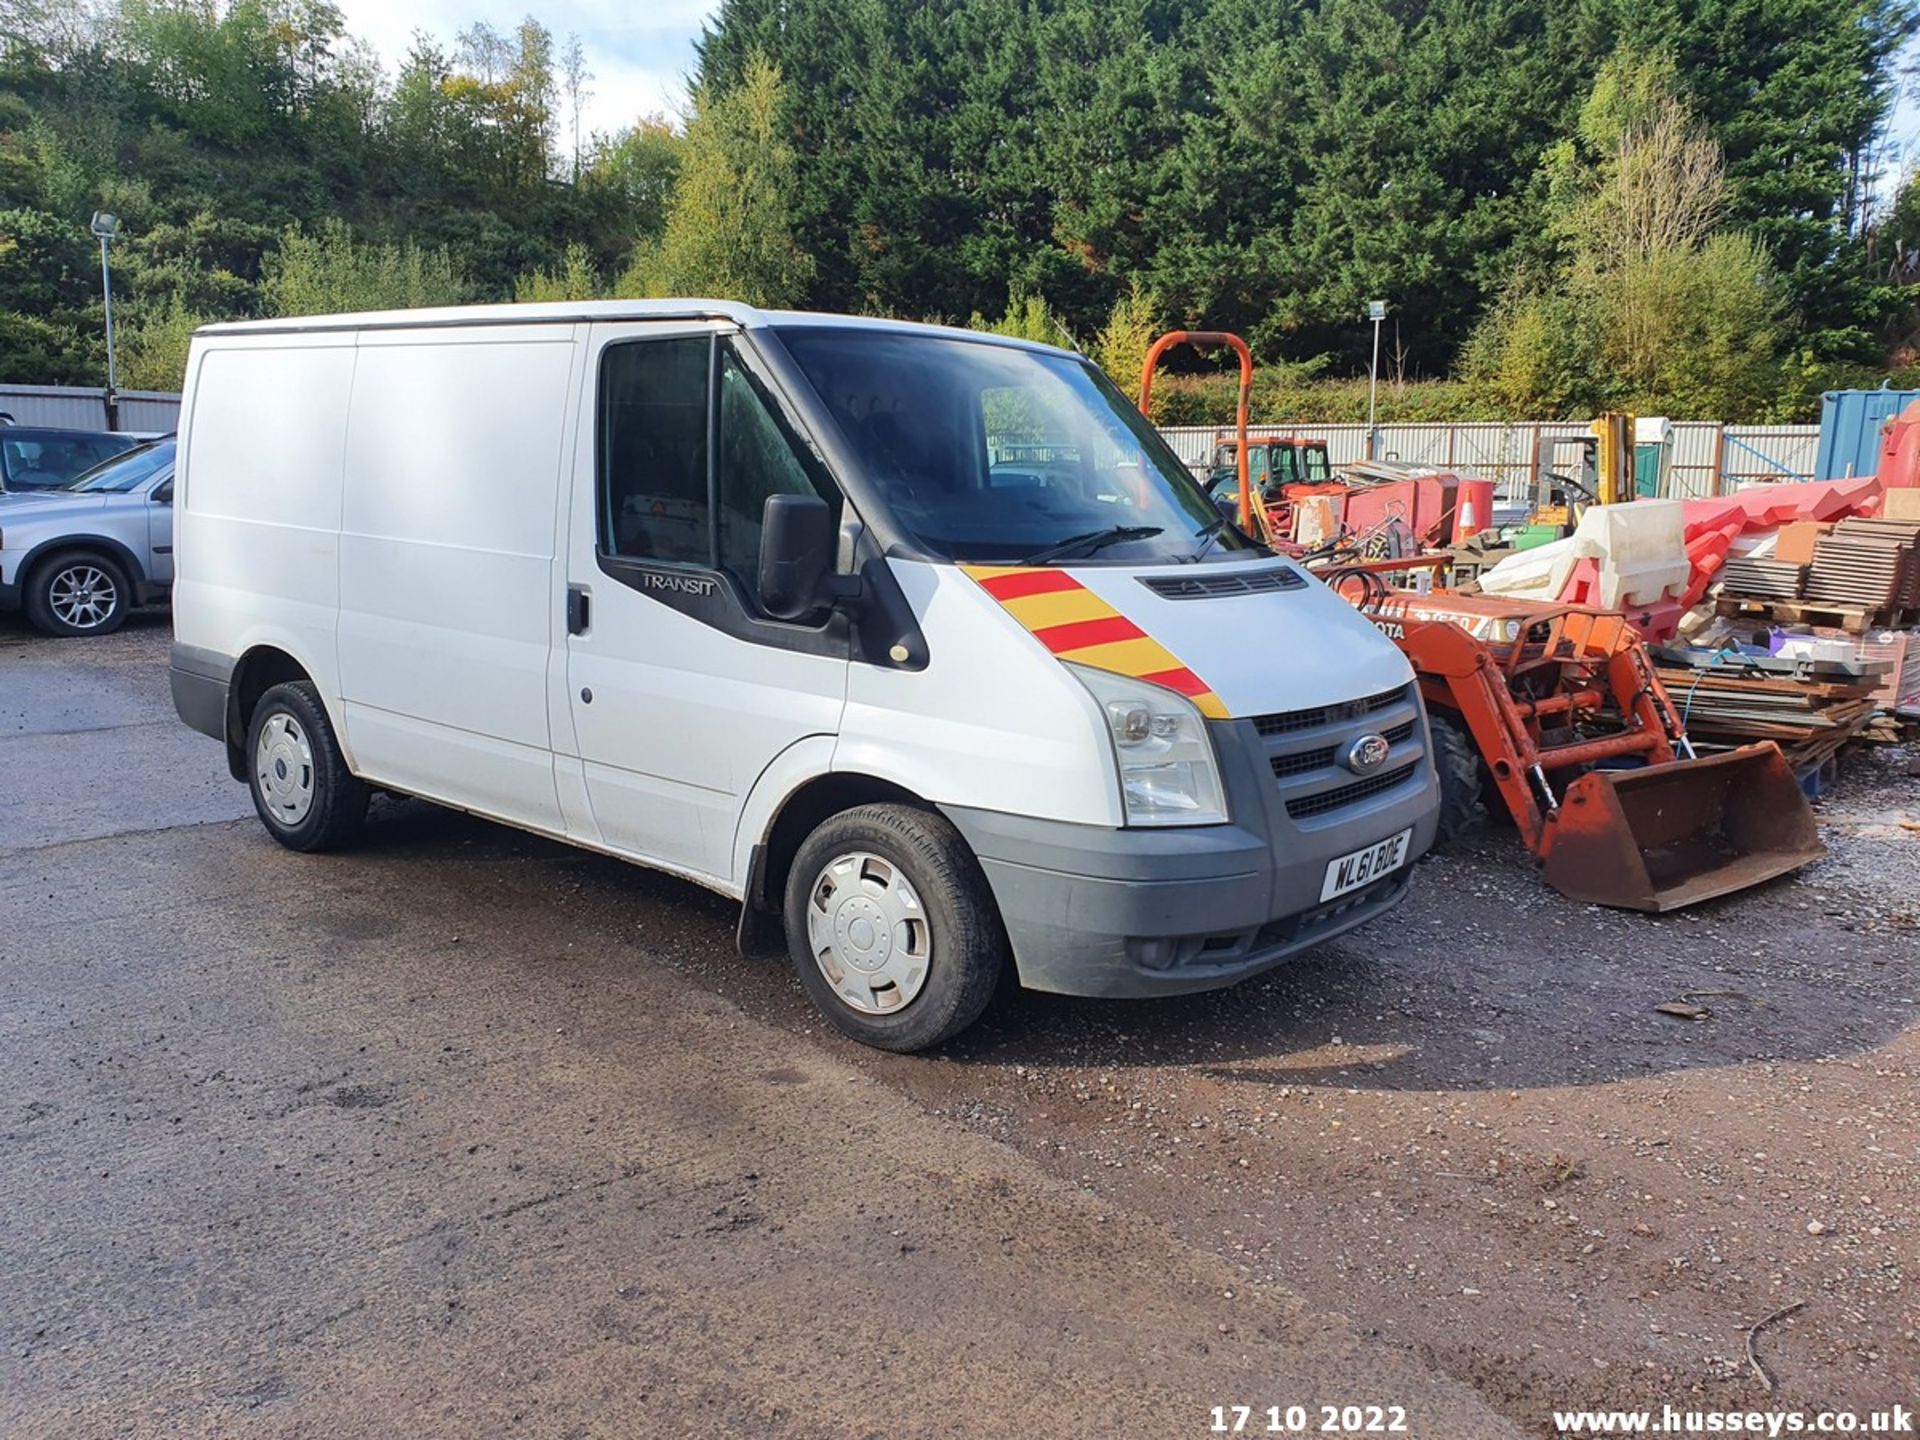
x,y
1091,541
1207,536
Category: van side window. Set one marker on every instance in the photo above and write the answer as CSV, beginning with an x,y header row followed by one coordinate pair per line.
x,y
653,450
759,458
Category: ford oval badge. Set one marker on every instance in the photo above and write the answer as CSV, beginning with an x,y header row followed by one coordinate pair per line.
x,y
1367,754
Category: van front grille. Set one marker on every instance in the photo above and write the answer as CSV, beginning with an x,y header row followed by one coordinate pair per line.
x,y
1305,760
1305,806
1303,925
1290,720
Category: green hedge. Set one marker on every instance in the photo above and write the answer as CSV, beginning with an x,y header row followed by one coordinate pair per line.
x,y
1284,398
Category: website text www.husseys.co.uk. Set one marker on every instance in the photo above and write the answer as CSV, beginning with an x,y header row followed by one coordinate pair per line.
x,y
1669,1421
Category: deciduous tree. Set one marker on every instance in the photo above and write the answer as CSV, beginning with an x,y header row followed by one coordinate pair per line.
x,y
729,231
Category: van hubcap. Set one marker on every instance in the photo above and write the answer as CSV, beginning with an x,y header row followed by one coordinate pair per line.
x,y
868,933
283,766
82,596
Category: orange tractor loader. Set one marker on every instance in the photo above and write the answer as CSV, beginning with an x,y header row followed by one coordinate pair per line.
x,y
1555,713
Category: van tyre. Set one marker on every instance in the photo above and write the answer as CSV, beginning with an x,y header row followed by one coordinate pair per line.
x,y
81,592
892,927
1463,779
302,789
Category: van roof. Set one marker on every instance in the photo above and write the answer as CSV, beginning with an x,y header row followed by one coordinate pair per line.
x,y
747,317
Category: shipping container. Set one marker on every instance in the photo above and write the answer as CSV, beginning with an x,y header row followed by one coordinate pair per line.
x,y
1851,426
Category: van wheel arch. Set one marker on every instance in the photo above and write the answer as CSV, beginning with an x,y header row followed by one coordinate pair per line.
x,y
255,673
800,814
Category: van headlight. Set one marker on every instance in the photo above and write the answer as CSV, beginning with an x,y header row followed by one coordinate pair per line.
x,y
1168,772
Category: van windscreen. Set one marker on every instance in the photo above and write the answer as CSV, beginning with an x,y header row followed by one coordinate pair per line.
x,y
985,452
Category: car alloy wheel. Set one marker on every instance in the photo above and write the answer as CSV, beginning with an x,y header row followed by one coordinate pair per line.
x,y
82,595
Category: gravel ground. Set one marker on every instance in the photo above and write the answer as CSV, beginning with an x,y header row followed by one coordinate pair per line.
x,y
1471,1125
1469,1129
1466,1131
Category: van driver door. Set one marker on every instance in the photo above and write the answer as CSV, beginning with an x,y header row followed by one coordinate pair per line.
x,y
681,689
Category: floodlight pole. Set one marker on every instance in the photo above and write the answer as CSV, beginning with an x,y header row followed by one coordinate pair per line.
x,y
106,289
105,226
1376,312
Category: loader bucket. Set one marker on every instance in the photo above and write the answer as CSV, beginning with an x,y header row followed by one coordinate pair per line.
x,y
1668,836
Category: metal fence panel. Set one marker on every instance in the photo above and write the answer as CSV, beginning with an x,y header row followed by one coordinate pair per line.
x,y
149,410
83,407
1704,452
1501,451
1769,452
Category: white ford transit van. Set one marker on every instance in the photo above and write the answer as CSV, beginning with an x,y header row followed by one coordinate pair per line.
x,y
919,642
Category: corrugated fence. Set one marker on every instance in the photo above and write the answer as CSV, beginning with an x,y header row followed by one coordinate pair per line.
x,y
1707,457
76,407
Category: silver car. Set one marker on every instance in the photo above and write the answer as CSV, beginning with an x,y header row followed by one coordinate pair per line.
x,y
78,557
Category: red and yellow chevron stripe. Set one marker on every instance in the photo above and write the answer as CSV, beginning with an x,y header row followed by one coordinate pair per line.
x,y
1077,625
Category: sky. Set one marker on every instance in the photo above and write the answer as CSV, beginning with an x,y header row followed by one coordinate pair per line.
x,y
640,51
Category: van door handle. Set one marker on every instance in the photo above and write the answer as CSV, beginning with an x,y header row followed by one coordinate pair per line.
x,y
579,609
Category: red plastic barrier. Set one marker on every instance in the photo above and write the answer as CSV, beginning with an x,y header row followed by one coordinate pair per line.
x,y
1583,583
1706,554
1711,526
1657,622
1768,507
1900,450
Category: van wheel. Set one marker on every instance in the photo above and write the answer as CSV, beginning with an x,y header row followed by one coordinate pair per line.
x,y
306,796
892,928
79,593
1463,779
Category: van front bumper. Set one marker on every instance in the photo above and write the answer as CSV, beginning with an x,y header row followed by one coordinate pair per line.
x,y
1143,912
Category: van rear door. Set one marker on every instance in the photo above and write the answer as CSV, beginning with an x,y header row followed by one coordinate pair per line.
x,y
682,690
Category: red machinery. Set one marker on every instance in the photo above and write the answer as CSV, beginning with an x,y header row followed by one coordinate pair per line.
x,y
1277,460
1439,507
1525,697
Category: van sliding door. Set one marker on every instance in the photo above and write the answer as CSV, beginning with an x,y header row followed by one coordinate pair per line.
x,y
455,444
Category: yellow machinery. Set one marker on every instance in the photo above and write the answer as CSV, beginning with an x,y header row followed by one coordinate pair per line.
x,y
1619,458
1573,471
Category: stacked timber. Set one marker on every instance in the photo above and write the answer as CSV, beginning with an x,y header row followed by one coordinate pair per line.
x,y
1757,579
1867,565
1810,719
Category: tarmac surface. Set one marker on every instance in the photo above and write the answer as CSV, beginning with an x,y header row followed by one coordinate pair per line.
x,y
399,1143
464,1133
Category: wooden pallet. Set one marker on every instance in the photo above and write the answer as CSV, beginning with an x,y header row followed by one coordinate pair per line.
x,y
1853,620
1809,720
1885,729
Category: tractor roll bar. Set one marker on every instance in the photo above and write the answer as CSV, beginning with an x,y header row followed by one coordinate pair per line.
x,y
1250,519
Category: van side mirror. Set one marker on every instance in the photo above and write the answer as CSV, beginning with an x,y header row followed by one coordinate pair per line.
x,y
797,544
